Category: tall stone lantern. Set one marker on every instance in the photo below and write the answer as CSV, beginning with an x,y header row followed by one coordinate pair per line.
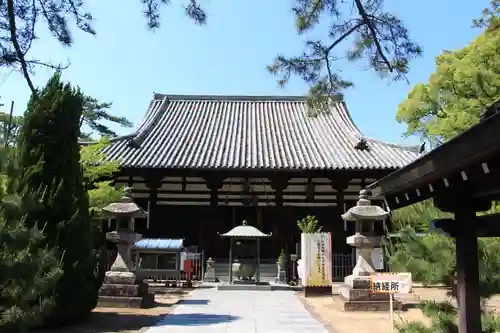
x,y
121,288
356,291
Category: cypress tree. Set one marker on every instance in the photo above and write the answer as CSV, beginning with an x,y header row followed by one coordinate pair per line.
x,y
49,157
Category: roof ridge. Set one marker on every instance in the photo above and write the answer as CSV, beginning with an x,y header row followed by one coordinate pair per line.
x,y
412,148
150,117
177,97
155,111
357,132
160,102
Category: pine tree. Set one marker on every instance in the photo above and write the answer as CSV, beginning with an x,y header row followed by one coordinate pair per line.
x,y
431,259
49,157
30,271
29,268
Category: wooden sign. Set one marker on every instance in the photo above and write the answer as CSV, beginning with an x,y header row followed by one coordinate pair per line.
x,y
391,283
316,264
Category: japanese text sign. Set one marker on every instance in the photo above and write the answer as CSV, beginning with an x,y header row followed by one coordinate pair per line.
x,y
391,283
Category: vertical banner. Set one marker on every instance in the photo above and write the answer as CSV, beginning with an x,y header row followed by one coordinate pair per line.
x,y
316,266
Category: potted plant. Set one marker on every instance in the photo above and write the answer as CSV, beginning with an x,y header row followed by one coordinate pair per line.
x,y
309,225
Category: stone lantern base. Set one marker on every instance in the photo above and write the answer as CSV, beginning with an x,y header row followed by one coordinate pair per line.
x,y
356,295
123,290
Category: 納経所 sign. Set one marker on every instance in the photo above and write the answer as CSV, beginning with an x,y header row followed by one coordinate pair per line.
x,y
391,283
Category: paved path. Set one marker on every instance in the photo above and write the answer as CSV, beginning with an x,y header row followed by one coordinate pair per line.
x,y
212,311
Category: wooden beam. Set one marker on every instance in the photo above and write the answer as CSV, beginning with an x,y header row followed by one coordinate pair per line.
x,y
459,197
486,225
255,173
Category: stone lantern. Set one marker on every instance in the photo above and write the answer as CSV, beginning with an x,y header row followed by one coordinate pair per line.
x,y
356,291
121,288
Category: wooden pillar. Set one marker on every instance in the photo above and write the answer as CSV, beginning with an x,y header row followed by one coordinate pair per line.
x,y
258,260
278,184
340,184
467,271
259,217
233,216
310,190
246,192
465,231
214,184
230,261
153,183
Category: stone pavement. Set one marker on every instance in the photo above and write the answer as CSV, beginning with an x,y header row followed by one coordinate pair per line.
x,y
213,311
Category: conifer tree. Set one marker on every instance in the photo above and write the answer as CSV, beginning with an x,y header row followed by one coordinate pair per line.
x,y
49,157
29,268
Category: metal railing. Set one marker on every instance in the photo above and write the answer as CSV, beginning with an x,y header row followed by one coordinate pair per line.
x,y
343,264
196,273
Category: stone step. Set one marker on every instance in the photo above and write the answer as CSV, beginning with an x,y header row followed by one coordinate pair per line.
x,y
224,274
129,290
267,271
263,268
126,302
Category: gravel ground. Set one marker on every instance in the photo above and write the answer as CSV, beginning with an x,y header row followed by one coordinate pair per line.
x,y
329,310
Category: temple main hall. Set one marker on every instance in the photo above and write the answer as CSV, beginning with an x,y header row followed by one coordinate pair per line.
x,y
202,164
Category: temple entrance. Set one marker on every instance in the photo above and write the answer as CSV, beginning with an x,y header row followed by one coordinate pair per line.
x,y
201,225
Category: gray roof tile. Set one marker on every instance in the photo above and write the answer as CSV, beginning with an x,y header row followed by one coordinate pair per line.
x,y
250,132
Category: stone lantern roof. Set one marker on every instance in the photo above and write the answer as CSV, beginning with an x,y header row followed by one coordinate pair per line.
x,y
364,210
125,206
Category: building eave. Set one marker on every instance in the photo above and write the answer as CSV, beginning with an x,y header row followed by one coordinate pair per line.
x,y
473,152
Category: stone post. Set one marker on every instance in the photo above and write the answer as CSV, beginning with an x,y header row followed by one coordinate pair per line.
x,y
355,291
210,271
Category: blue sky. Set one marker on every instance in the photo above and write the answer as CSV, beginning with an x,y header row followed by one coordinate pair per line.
x,y
125,63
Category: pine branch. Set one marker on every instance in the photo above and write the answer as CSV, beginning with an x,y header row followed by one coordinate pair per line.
x,y
376,36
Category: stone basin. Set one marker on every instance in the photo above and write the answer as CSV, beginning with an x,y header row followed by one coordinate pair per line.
x,y
243,270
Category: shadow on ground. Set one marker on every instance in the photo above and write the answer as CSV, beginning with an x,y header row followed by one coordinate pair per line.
x,y
116,322
194,301
195,319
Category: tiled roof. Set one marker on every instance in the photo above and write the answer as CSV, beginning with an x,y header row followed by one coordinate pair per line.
x,y
250,132
159,243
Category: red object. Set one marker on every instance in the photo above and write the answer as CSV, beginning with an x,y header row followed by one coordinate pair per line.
x,y
188,269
